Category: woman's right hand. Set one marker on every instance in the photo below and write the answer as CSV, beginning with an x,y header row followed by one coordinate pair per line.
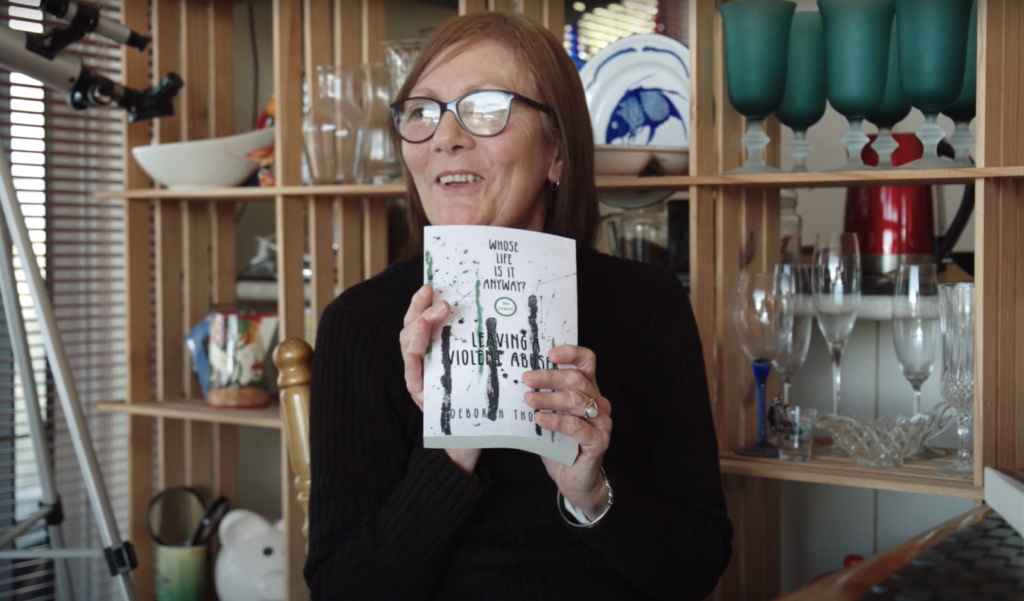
x,y
420,320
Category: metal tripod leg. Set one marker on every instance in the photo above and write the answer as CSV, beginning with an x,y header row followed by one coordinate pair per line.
x,y
117,552
23,360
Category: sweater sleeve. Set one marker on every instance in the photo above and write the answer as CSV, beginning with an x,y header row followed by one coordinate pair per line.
x,y
670,535
383,510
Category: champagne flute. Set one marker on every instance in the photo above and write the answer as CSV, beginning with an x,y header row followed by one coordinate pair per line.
x,y
763,317
915,331
836,287
794,352
956,303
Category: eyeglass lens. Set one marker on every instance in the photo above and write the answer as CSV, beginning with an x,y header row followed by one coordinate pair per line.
x,y
482,113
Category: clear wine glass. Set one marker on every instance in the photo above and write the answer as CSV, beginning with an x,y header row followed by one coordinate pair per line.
x,y
956,303
836,293
763,318
915,331
794,352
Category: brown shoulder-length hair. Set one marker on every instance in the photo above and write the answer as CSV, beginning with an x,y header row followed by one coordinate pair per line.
x,y
572,209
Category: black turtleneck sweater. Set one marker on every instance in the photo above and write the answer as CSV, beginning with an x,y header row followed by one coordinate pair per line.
x,y
392,520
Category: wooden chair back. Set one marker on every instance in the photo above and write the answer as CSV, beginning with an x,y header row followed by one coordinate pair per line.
x,y
293,358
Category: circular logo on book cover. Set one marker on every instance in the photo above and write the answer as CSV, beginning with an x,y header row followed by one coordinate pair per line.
x,y
505,306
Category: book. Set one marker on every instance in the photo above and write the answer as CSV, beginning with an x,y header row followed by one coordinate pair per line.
x,y
513,298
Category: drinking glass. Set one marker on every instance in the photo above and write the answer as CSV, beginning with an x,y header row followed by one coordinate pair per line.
x,y
932,38
963,109
794,350
763,317
836,291
915,324
756,49
804,102
894,108
956,303
915,331
857,36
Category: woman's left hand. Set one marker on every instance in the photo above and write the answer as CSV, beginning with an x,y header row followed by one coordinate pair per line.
x,y
581,483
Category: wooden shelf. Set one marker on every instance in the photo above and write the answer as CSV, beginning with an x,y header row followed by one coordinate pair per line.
x,y
773,180
913,476
267,417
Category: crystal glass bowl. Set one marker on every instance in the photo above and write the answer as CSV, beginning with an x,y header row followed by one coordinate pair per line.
x,y
941,418
878,442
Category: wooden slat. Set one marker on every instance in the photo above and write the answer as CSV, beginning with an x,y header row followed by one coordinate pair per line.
x,y
221,53
472,6
350,230
139,322
167,51
374,30
316,37
170,352
554,17
504,6
196,246
321,241
289,225
702,199
348,47
533,9
375,237
224,458
194,97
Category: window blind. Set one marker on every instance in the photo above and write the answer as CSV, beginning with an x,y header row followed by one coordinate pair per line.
x,y
59,156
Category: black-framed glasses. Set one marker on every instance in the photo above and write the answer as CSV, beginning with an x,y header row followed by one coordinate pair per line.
x,y
482,113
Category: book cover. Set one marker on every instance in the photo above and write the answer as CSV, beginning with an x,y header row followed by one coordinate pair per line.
x,y
513,298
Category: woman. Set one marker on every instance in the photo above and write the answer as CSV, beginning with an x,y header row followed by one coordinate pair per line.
x,y
640,514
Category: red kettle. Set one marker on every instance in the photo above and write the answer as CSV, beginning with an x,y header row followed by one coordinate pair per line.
x,y
895,225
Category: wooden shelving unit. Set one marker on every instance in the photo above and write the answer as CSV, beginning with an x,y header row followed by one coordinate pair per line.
x,y
192,270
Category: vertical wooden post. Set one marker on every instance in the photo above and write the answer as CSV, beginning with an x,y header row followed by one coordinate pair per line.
x,y
290,243
472,6
138,298
348,53
170,352
999,292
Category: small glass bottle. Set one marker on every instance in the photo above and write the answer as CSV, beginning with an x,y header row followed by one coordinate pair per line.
x,y
790,231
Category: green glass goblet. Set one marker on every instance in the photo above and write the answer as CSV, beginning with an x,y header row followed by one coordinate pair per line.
x,y
756,48
894,108
856,56
964,108
804,102
932,38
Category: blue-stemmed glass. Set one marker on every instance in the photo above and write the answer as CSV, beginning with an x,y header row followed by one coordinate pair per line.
x,y
763,317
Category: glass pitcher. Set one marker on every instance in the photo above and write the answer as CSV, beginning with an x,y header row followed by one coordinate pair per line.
x,y
400,56
334,129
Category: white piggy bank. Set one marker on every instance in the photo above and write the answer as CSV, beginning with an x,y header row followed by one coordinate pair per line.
x,y
250,566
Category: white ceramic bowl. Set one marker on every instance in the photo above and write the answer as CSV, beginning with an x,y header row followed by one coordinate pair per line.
x,y
617,159
212,163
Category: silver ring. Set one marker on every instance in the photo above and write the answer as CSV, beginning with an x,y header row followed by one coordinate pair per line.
x,y
591,411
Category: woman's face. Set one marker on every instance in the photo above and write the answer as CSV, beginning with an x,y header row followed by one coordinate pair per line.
x,y
510,171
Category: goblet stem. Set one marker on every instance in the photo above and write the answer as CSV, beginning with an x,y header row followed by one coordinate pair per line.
x,y
885,145
855,140
755,141
787,383
962,140
761,369
963,454
917,399
837,355
930,135
799,149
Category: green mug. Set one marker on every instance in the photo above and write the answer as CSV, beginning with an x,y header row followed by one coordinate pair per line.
x,y
180,573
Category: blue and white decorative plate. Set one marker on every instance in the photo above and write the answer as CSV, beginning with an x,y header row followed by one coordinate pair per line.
x,y
638,92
